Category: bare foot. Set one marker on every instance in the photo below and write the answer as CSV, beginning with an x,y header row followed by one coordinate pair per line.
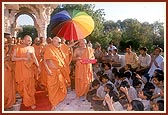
x,y
53,108
33,107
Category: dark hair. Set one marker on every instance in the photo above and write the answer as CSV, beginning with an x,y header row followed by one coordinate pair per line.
x,y
116,74
161,105
121,75
149,86
110,43
136,82
129,66
124,84
159,71
109,86
121,70
137,105
114,70
105,76
159,77
147,93
143,48
128,46
95,83
115,95
160,49
99,73
108,64
127,74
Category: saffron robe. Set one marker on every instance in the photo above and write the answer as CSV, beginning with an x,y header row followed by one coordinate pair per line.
x,y
24,76
56,83
83,73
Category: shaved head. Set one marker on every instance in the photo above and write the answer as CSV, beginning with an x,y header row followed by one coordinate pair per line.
x,y
27,40
82,43
56,41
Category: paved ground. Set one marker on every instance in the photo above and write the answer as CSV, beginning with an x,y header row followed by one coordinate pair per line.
x,y
71,103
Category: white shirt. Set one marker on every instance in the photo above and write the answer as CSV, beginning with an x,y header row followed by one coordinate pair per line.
x,y
109,82
157,91
109,73
117,106
159,60
144,60
100,92
146,103
111,48
132,93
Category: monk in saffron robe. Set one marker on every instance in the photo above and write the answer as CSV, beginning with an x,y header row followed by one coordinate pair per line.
x,y
38,50
24,56
43,75
54,59
9,82
83,72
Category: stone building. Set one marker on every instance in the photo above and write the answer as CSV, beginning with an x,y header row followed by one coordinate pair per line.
x,y
40,13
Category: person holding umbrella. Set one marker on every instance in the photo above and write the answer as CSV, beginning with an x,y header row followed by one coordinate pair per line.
x,y
83,69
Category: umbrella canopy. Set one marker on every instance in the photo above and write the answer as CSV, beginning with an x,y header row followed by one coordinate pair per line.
x,y
72,25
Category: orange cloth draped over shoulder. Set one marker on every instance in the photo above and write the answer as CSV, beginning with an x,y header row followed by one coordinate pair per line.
x,y
24,77
43,73
68,58
83,73
9,85
38,50
56,83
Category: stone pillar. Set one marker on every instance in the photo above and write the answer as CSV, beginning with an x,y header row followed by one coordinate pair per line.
x,y
9,18
6,21
44,20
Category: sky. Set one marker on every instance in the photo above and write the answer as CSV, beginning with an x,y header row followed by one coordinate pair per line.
x,y
146,11
143,12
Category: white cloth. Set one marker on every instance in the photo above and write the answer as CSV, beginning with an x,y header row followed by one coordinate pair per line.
x,y
132,93
159,61
109,82
111,48
157,91
100,92
146,103
117,106
109,73
144,60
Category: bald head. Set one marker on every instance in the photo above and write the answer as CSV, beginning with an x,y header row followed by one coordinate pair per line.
x,y
48,40
27,40
82,43
56,41
37,41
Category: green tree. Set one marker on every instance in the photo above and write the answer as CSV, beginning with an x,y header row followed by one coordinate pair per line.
x,y
28,30
158,34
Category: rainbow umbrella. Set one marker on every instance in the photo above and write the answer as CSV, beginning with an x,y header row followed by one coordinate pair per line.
x,y
72,25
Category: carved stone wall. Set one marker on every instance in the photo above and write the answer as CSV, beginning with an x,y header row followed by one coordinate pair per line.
x,y
40,14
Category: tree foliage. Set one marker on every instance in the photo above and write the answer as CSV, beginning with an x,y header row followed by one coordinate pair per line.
x,y
28,30
121,33
136,34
